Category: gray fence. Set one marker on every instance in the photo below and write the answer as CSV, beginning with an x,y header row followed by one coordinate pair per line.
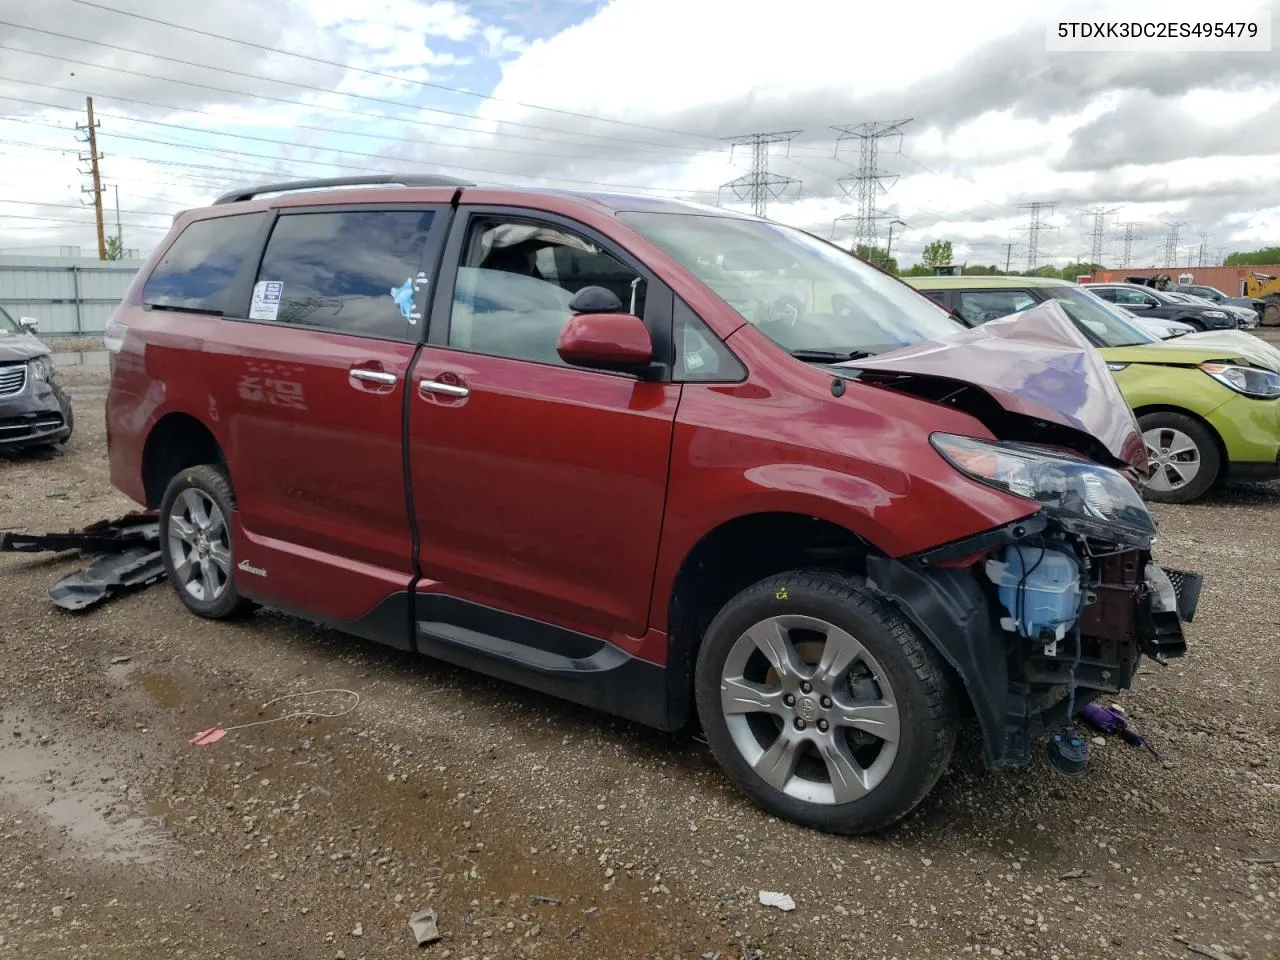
x,y
70,296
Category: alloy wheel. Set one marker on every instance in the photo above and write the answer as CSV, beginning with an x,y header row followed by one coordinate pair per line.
x,y
200,545
810,710
1175,459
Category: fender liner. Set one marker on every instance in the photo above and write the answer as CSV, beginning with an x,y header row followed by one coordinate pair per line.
x,y
950,609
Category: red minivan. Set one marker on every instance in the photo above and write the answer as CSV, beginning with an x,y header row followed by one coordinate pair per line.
x,y
678,464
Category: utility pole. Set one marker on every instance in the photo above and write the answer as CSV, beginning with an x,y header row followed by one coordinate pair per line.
x,y
96,189
1035,209
1099,215
1171,242
760,185
888,250
1008,255
869,181
119,231
1128,237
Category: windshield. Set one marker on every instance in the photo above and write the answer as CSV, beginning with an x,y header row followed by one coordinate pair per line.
x,y
808,296
1102,320
7,326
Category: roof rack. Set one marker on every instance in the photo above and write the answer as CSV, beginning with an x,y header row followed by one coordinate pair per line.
x,y
410,180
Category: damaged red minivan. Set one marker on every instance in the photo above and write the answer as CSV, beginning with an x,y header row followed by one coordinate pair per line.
x,y
678,464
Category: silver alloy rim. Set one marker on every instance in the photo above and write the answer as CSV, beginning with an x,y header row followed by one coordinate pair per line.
x,y
199,545
810,710
1174,456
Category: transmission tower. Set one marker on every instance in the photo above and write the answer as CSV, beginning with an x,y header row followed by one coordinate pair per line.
x,y
869,182
1035,224
1130,234
1204,242
1099,215
1171,242
759,186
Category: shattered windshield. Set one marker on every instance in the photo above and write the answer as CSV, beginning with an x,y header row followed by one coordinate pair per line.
x,y
7,327
811,298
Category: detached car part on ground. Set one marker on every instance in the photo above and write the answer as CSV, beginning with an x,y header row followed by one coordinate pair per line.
x,y
1208,404
34,409
667,461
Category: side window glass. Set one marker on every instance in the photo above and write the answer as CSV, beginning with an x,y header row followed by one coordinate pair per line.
x,y
199,270
937,296
516,281
701,356
354,272
986,305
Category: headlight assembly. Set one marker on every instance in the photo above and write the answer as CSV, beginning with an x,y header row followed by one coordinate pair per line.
x,y
1084,497
41,368
1251,381
1215,314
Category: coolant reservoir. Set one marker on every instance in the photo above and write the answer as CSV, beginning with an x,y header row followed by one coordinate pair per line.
x,y
1039,588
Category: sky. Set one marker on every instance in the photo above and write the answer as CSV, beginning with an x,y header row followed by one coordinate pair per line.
x,y
643,96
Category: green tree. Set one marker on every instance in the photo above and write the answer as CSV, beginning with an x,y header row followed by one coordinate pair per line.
x,y
937,253
1254,258
918,270
877,255
1073,270
115,248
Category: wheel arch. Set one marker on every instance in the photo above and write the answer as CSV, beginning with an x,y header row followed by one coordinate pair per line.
x,y
176,441
1145,409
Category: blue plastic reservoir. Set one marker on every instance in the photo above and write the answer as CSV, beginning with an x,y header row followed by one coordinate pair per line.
x,y
1039,588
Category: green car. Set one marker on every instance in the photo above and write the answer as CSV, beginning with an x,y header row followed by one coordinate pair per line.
x,y
1208,403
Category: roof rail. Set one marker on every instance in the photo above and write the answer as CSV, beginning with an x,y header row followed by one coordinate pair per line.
x,y
408,180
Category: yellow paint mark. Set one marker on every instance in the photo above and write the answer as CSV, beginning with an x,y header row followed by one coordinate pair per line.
x,y
782,594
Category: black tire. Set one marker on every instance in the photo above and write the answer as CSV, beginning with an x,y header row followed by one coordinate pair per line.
x,y
1270,314
1198,325
1207,448
922,686
213,483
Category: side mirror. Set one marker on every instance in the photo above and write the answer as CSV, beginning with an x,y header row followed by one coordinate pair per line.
x,y
606,341
595,300
29,324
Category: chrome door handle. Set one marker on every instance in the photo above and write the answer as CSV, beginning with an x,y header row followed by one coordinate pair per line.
x,y
374,376
447,389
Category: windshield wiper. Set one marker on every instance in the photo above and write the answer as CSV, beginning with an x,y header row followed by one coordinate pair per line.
x,y
830,356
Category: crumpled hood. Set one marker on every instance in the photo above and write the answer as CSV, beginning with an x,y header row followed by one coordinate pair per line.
x,y
1035,363
25,347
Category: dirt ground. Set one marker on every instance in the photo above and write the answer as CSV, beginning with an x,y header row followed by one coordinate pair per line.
x,y
539,830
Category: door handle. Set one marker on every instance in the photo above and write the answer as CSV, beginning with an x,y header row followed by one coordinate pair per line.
x,y
446,389
374,376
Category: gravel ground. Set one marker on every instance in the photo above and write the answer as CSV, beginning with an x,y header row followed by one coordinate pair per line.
x,y
318,838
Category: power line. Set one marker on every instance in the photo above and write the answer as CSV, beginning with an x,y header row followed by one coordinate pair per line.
x,y
636,145
869,182
1035,224
759,185
386,76
1099,215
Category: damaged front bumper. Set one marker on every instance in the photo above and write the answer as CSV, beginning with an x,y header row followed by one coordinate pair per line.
x,y
1030,644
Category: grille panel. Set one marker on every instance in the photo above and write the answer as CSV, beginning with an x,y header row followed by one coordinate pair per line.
x,y
12,379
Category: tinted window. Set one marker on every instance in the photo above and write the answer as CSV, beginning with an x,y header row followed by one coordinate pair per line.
x,y
700,354
356,272
516,282
1130,298
198,271
981,306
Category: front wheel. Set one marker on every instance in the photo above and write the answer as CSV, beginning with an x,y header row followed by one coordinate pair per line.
x,y
823,705
195,542
1184,457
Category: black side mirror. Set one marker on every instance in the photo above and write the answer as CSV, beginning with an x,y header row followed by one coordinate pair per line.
x,y
595,300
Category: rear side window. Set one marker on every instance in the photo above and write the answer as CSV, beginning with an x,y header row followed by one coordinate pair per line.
x,y
199,271
356,272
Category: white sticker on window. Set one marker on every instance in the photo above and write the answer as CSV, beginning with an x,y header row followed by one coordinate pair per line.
x,y
266,299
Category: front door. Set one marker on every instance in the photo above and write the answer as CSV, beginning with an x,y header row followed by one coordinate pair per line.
x,y
538,487
312,398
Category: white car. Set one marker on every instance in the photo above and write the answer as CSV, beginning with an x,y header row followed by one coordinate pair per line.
x,y
1162,329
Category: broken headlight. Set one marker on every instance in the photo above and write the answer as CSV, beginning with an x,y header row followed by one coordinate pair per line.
x,y
41,368
1251,381
1084,497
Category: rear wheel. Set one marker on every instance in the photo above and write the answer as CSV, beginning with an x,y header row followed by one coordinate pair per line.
x,y
1184,457
823,705
195,542
1271,313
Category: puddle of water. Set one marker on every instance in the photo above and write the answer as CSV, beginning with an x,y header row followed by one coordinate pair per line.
x,y
163,690
82,358
71,785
